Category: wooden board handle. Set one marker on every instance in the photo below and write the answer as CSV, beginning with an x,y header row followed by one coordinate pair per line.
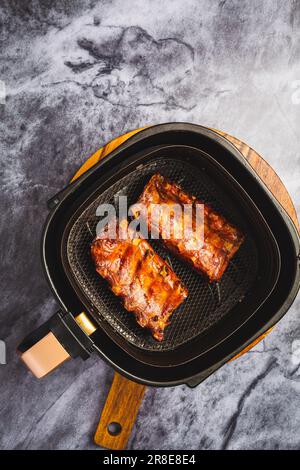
x,y
119,413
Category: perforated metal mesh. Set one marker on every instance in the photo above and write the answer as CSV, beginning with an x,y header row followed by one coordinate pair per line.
x,y
206,303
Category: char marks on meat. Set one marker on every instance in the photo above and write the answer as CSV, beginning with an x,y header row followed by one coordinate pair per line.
x,y
148,286
220,240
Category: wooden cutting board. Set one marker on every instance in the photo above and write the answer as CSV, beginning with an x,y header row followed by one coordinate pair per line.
x,y
125,397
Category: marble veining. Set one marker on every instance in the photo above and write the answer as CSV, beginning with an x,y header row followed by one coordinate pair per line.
x,y
78,74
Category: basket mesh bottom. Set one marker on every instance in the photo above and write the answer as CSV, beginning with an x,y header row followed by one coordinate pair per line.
x,y
206,303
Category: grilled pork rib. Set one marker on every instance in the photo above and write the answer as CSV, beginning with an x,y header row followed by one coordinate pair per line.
x,y
219,239
149,288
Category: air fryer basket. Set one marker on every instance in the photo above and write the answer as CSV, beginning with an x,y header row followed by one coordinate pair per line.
x,y
206,303
217,321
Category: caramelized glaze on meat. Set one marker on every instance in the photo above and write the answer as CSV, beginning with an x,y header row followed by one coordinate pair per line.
x,y
147,285
219,239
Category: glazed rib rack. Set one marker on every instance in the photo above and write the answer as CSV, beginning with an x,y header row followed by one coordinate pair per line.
x,y
147,285
207,245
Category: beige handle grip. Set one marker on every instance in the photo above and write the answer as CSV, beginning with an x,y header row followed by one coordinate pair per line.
x,y
47,353
119,413
44,356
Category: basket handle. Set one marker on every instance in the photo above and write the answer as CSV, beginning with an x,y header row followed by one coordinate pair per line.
x,y
56,341
119,413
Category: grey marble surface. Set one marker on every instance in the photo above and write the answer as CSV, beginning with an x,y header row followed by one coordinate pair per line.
x,y
80,73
